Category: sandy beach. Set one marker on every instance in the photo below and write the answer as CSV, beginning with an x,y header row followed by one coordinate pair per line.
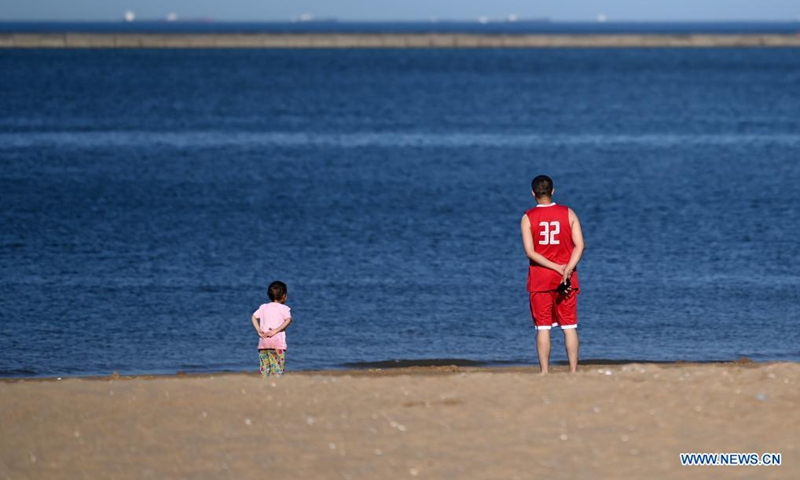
x,y
389,40
623,421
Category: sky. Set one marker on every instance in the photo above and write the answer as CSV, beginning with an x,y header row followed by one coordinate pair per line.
x,y
395,10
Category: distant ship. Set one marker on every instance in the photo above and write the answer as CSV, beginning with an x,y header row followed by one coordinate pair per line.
x,y
129,16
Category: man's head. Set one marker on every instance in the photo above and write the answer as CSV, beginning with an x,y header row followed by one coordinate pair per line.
x,y
277,291
542,186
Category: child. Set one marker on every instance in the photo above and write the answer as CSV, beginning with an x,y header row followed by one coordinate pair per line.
x,y
270,321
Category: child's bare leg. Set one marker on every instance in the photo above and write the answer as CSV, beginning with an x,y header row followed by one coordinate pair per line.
x,y
543,349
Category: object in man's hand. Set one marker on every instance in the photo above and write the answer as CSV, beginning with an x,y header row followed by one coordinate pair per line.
x,y
564,287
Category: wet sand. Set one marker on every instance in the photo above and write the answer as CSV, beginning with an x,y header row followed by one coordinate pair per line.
x,y
387,40
620,421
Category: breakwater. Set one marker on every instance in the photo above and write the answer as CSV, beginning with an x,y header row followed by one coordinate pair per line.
x,y
387,40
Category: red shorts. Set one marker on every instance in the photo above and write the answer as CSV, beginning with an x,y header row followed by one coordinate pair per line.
x,y
550,309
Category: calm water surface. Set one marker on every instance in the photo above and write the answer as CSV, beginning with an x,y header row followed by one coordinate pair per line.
x,y
149,197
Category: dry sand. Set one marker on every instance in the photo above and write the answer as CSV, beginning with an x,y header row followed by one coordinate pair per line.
x,y
625,421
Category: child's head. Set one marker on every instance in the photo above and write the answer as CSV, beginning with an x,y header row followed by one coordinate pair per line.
x,y
277,292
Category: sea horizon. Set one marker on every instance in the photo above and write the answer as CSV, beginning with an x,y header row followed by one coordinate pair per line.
x,y
485,26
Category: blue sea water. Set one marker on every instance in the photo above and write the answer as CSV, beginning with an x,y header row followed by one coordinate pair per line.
x,y
148,197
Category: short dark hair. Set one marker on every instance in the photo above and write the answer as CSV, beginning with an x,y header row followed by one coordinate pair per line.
x,y
276,290
542,186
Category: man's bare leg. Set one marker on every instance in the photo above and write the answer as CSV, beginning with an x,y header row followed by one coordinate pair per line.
x,y
572,344
543,349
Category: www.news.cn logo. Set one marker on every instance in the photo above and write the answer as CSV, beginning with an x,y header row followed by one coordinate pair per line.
x,y
730,459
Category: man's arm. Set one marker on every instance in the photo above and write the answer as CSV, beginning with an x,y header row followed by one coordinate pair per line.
x,y
257,326
577,240
278,330
527,243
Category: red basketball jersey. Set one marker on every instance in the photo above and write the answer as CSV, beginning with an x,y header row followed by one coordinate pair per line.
x,y
552,238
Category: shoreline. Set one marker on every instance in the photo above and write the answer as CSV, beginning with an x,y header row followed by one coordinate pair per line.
x,y
421,368
387,40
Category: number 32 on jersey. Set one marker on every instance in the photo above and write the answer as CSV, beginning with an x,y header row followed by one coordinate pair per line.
x,y
548,232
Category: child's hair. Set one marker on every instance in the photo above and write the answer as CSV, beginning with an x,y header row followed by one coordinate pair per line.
x,y
276,290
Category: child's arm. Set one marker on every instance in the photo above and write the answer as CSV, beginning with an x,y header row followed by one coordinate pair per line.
x,y
257,326
281,328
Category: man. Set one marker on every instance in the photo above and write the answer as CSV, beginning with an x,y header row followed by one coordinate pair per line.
x,y
553,241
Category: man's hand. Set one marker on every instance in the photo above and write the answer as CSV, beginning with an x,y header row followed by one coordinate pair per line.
x,y
565,281
269,334
561,270
567,274
263,334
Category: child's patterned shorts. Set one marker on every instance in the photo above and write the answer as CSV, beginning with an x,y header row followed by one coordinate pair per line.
x,y
272,362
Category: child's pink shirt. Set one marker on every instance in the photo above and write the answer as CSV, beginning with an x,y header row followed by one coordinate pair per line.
x,y
272,316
